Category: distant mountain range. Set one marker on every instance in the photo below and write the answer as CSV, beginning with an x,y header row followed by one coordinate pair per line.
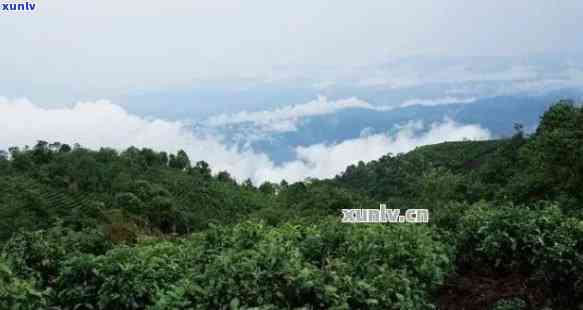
x,y
497,114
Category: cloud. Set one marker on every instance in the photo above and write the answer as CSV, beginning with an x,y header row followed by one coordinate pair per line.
x,y
102,124
436,101
286,118
390,80
568,78
322,161
264,34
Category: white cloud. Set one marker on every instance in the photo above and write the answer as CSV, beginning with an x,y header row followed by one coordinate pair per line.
x,y
322,85
286,118
391,80
178,41
436,101
321,161
568,78
101,123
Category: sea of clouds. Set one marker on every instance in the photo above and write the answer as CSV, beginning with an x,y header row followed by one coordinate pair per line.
x,y
103,124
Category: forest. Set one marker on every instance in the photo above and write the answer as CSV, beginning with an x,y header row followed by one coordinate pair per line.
x,y
144,229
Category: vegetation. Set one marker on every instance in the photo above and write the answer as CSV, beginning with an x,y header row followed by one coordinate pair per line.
x,y
141,229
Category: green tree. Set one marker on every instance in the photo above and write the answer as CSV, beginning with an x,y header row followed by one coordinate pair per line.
x,y
267,188
180,161
130,203
202,168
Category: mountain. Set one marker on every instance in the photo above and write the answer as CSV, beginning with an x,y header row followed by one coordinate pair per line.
x,y
496,114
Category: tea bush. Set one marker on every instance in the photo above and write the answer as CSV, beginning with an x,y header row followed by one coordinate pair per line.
x,y
251,264
17,293
40,253
124,278
325,266
535,240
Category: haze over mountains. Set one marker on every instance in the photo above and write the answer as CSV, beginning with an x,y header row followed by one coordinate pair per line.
x,y
324,106
315,139
296,93
278,132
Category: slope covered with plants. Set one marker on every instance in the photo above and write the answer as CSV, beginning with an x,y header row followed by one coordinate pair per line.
x,y
141,229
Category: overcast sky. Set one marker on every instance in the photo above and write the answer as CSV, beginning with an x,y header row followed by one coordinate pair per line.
x,y
109,45
106,49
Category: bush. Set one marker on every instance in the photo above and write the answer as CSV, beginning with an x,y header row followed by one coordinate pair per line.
x,y
330,265
536,240
124,278
40,254
510,304
446,215
17,293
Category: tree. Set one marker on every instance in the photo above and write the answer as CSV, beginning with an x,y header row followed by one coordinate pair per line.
x,y
283,184
267,188
225,177
183,160
65,148
202,168
518,130
179,161
106,154
150,157
553,155
248,184
172,162
162,213
163,158
20,160
130,203
41,154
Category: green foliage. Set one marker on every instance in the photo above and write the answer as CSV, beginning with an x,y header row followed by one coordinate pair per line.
x,y
43,185
537,240
141,229
39,254
510,304
445,216
17,293
180,161
551,158
440,184
124,278
330,265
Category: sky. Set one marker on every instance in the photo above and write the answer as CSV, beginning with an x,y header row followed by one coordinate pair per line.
x,y
109,47
69,67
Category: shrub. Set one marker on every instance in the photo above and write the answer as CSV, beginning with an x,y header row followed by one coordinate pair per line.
x,y
17,293
327,265
330,265
39,254
124,278
510,304
536,240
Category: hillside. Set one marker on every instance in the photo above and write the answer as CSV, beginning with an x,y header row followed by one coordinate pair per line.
x,y
141,229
